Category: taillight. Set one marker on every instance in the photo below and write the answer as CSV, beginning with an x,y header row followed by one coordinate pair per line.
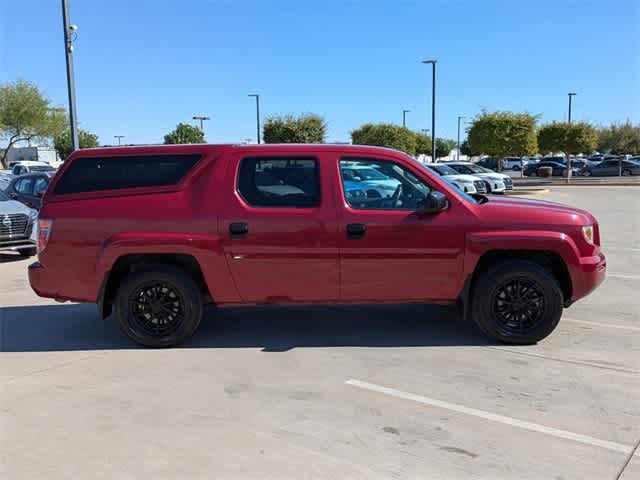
x,y
44,232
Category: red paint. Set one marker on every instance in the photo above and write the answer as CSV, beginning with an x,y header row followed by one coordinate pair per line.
x,y
298,255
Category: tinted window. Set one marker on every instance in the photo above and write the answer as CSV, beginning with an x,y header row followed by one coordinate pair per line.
x,y
279,182
41,185
91,174
24,186
395,189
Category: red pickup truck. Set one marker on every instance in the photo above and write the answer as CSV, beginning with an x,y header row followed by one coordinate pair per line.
x,y
158,232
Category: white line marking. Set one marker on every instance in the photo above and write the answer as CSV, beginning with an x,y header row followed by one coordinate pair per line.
x,y
603,325
627,277
534,427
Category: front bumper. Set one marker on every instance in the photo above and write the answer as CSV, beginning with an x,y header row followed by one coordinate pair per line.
x,y
591,272
17,245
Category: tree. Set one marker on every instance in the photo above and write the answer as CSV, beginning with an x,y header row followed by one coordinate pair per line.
x,y
465,149
26,114
423,144
307,128
501,134
570,138
619,138
390,136
184,133
444,147
62,142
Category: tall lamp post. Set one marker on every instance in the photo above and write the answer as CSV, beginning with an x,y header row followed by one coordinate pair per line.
x,y
460,117
119,137
571,94
202,118
69,37
433,108
257,97
404,117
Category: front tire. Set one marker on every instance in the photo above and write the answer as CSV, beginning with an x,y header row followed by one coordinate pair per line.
x,y
517,302
160,306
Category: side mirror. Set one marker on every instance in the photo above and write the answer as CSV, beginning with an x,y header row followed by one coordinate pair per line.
x,y
434,202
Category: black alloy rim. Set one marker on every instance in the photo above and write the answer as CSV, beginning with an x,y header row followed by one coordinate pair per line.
x,y
518,306
157,308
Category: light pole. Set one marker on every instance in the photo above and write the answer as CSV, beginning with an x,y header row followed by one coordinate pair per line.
x,y
119,137
257,97
202,118
433,109
69,37
571,94
404,117
460,117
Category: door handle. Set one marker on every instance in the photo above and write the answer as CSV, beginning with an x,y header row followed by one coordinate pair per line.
x,y
356,230
238,229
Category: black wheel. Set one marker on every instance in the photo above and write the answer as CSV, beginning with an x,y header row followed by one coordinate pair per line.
x,y
159,306
586,173
29,252
517,302
533,173
487,186
626,173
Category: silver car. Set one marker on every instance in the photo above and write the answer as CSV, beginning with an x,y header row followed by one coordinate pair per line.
x,y
18,225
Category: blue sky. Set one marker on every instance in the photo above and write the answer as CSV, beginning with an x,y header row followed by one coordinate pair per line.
x,y
142,66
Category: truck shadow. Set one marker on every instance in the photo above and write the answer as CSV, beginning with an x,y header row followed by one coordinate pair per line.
x,y
273,329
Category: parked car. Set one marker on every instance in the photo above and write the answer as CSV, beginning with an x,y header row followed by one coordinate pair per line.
x,y
24,167
466,183
495,182
156,232
29,189
374,182
612,167
557,169
514,163
17,221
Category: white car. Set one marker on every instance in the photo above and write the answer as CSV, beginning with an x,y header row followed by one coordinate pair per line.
x,y
514,163
27,166
18,227
367,178
466,183
496,182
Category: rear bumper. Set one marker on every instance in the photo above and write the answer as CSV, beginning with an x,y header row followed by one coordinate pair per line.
x,y
591,273
41,282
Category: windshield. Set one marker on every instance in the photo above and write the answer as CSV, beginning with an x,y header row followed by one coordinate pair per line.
x,y
472,168
444,170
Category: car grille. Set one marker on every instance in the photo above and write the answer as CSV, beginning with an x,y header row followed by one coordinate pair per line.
x,y
14,225
508,183
480,186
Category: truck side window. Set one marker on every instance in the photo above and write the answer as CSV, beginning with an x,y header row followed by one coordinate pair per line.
x,y
291,182
371,184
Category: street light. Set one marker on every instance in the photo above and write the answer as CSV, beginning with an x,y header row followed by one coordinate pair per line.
x,y
404,117
69,37
433,109
571,94
257,97
460,117
202,118
119,137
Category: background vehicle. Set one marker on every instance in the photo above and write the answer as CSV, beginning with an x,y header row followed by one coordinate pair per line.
x,y
24,167
514,163
374,182
612,167
29,189
167,229
495,182
17,227
558,169
466,183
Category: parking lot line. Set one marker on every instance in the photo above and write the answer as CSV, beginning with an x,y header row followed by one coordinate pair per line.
x,y
564,360
514,422
603,325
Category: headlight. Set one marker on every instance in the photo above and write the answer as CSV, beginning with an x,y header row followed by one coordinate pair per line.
x,y
33,215
587,233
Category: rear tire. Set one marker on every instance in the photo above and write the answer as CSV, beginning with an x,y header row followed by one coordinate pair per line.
x,y
516,302
159,306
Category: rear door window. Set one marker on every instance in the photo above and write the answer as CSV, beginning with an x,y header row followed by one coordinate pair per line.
x,y
292,182
91,174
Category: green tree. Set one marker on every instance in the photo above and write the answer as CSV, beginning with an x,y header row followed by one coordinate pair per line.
x,y
619,138
390,136
62,142
26,114
569,138
423,144
465,149
444,147
307,128
184,133
501,134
